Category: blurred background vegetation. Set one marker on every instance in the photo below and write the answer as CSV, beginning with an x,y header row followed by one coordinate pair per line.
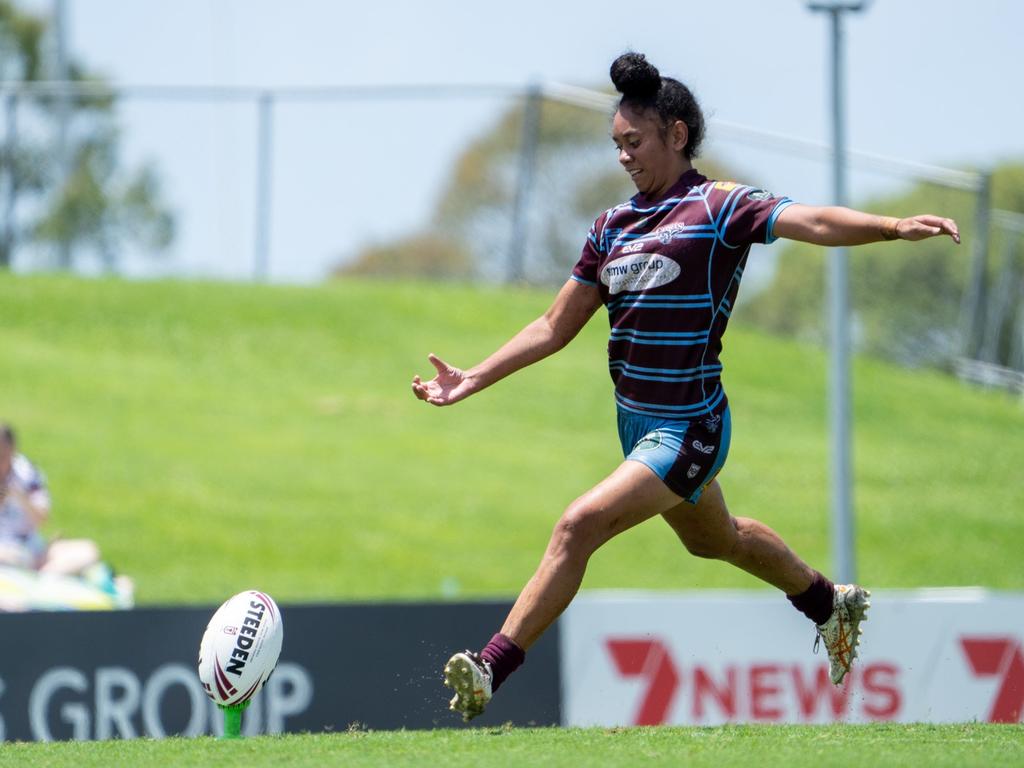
x,y
63,184
212,435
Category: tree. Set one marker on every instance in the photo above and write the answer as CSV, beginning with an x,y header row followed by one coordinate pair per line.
x,y
906,297
90,204
575,177
426,255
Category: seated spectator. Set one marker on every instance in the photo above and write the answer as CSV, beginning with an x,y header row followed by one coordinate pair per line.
x,y
24,507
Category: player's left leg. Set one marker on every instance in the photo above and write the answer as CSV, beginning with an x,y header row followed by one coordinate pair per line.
x,y
708,530
631,494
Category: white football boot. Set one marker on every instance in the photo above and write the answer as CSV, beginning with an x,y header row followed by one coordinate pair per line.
x,y
842,631
470,677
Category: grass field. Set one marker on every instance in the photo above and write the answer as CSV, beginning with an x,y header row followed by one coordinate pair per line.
x,y
213,437
742,746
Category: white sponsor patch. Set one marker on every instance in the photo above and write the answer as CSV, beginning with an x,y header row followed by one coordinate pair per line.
x,y
638,272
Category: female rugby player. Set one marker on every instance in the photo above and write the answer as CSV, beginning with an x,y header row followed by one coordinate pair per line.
x,y
667,265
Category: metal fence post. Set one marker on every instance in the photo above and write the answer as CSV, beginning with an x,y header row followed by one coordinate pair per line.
x,y
1017,341
527,162
264,179
7,235
1000,304
971,311
65,159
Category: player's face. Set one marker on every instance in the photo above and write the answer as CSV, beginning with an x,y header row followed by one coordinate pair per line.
x,y
651,155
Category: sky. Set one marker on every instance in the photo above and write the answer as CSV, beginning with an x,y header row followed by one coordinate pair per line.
x,y
933,82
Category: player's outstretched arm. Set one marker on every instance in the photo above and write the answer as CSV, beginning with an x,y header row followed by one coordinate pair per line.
x,y
833,225
570,311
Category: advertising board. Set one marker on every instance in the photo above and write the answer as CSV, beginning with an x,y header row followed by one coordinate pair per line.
x,y
707,658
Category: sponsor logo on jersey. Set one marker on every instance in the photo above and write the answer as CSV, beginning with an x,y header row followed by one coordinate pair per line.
x,y
692,471
706,449
726,186
759,194
639,272
711,423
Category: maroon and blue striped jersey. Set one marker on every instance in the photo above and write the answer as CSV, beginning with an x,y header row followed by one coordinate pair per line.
x,y
668,271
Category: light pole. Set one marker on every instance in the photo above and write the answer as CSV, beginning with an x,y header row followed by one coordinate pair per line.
x,y
843,559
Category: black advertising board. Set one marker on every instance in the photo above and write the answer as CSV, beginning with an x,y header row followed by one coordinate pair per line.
x,y
133,673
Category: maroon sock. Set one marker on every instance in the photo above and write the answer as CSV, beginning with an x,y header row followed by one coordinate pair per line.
x,y
504,656
816,601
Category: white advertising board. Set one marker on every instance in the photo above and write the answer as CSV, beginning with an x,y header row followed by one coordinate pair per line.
x,y
719,657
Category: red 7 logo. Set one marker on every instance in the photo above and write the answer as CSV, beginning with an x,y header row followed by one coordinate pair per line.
x,y
999,657
650,660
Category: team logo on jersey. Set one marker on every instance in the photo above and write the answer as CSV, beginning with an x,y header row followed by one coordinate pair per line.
x,y
692,471
639,272
666,233
726,186
759,194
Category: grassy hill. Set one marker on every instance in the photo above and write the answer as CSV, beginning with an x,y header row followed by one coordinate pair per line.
x,y
213,437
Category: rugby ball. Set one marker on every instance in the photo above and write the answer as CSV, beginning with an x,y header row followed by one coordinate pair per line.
x,y
240,648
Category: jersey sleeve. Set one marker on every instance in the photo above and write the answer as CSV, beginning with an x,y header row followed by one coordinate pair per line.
x,y
748,216
586,269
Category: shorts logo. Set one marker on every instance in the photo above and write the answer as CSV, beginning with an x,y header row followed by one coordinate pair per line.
x,y
649,442
692,471
711,423
705,449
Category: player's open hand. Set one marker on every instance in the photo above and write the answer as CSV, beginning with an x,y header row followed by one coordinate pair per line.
x,y
926,225
449,386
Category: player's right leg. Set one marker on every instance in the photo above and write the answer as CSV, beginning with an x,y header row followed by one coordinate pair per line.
x,y
708,530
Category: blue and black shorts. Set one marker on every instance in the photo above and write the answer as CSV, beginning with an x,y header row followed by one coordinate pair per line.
x,y
686,455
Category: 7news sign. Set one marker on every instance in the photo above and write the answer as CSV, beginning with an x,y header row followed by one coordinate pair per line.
x,y
930,656
753,691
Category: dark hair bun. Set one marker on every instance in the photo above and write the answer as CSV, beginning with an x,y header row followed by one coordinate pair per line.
x,y
643,88
634,76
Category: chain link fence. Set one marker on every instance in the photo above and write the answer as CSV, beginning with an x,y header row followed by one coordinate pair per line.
x,y
488,182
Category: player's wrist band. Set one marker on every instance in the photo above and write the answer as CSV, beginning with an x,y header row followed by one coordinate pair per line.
x,y
890,228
